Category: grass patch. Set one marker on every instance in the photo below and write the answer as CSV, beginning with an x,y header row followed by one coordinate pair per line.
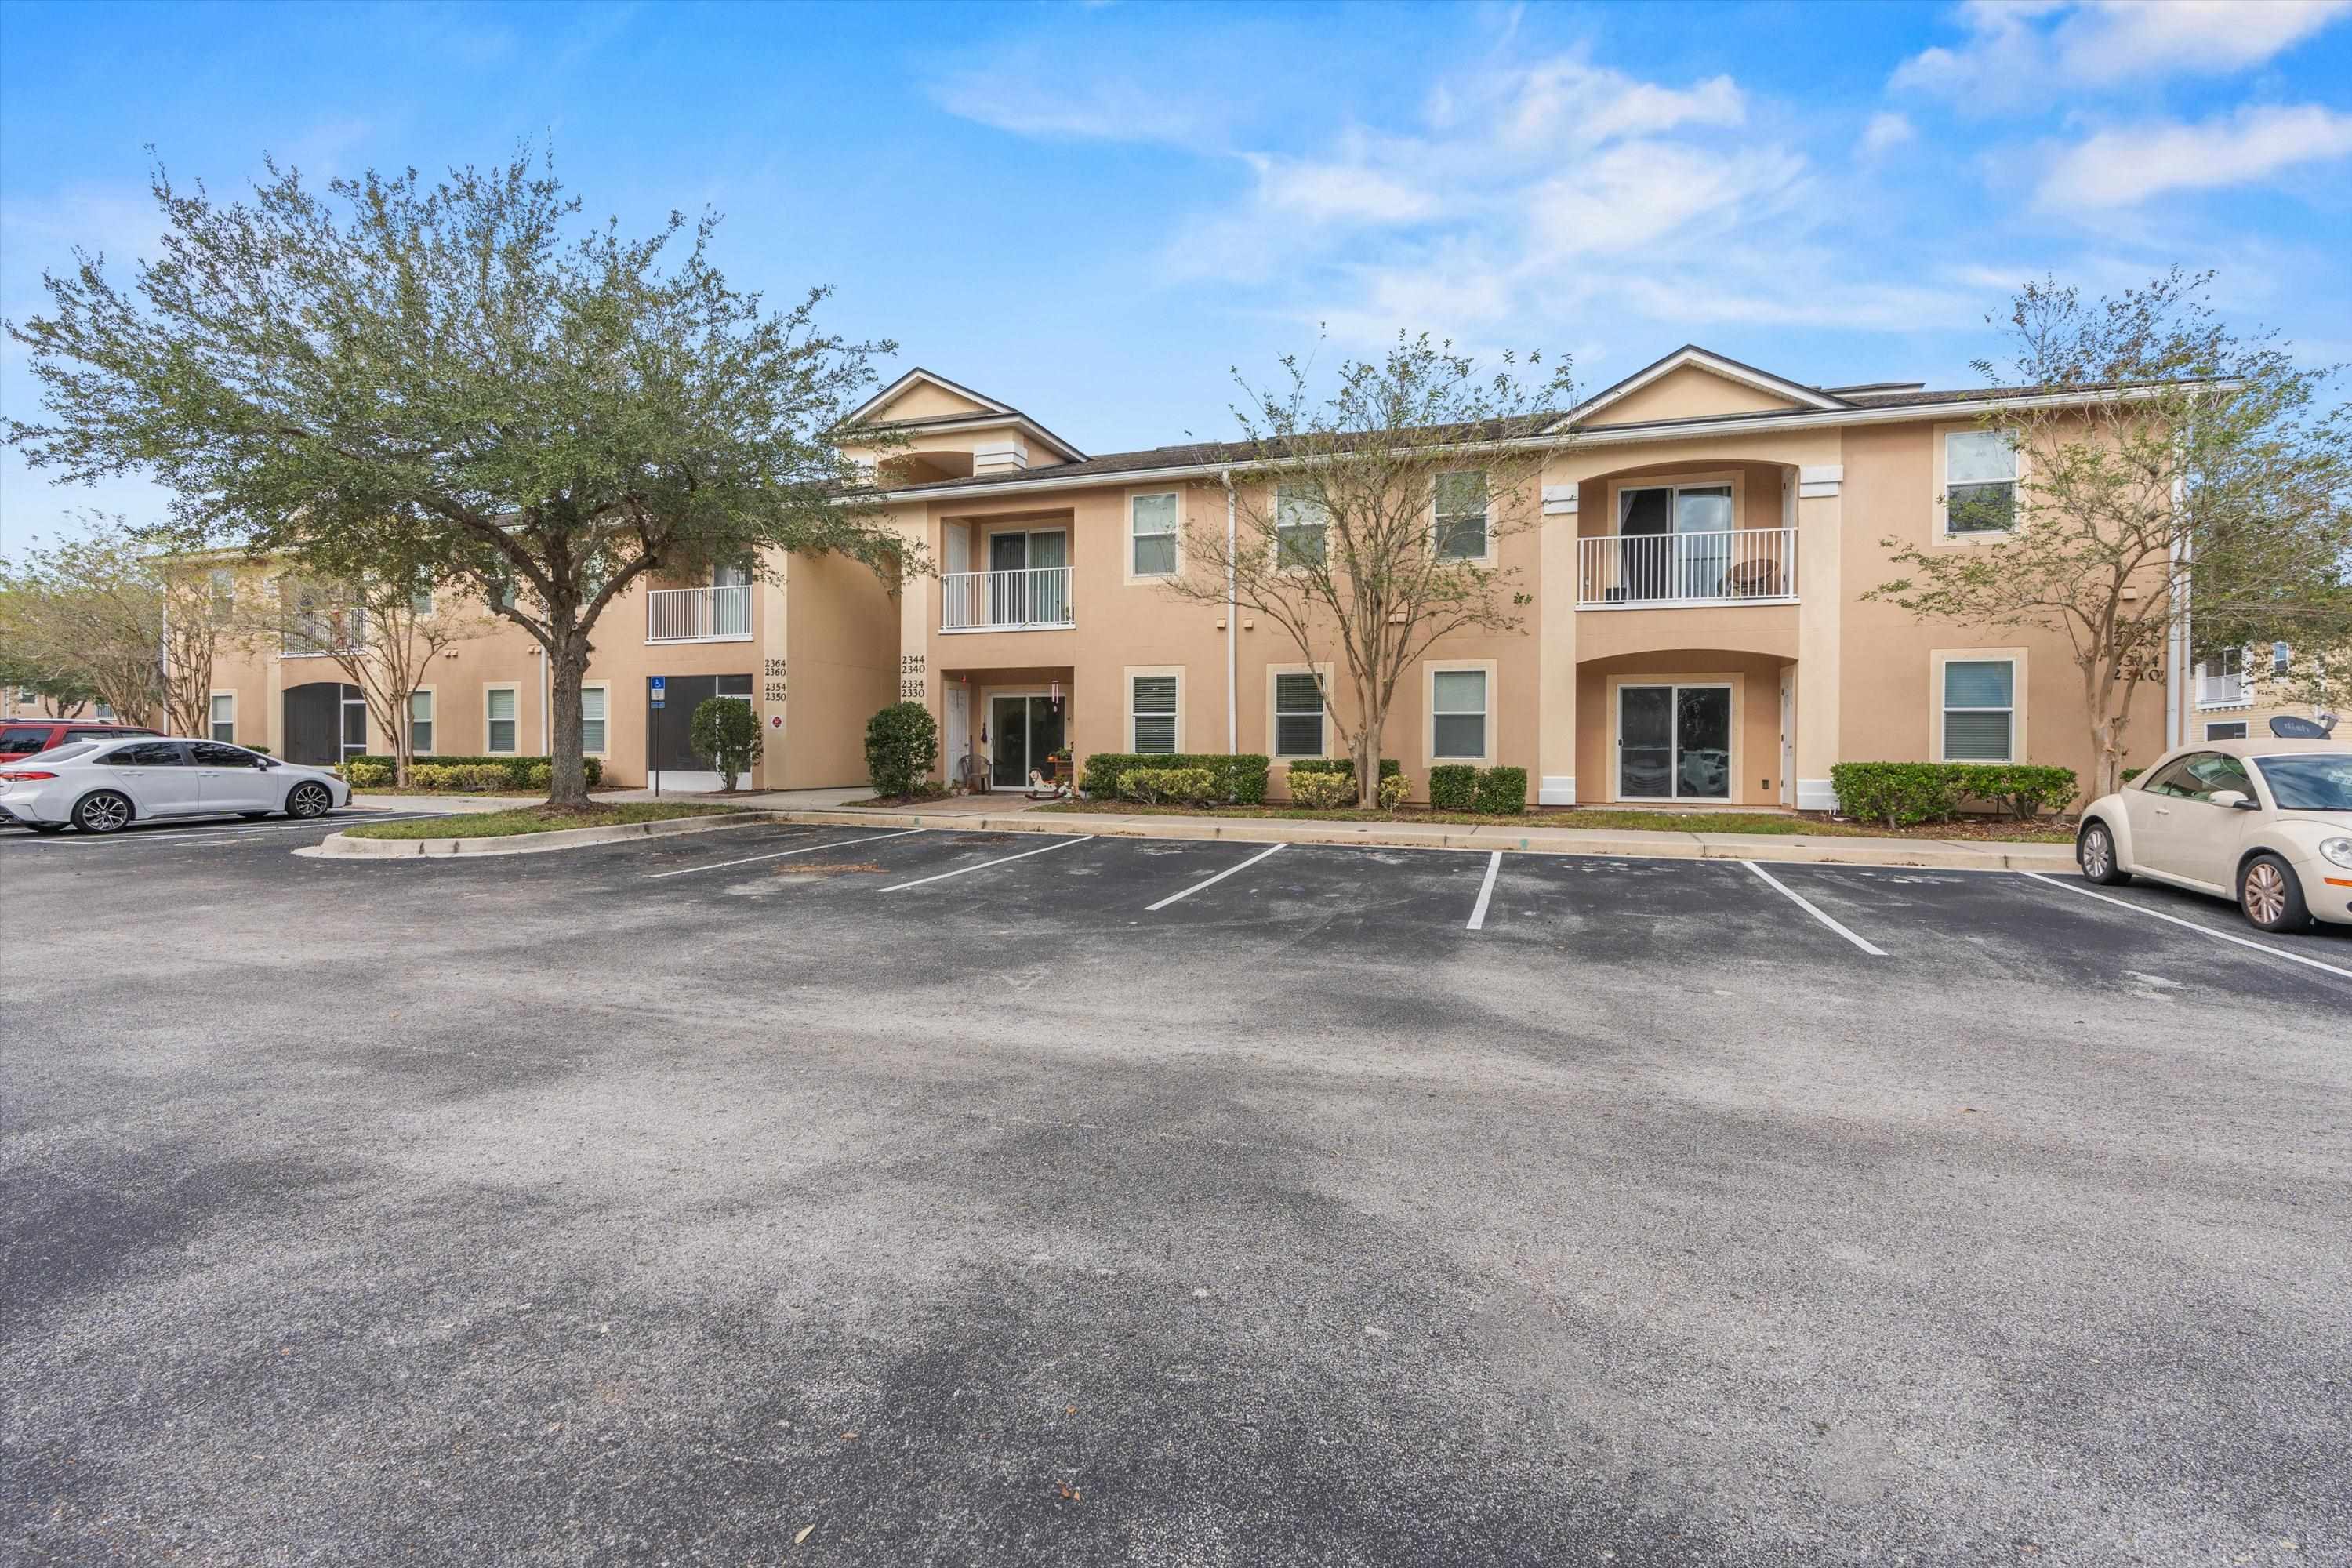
x,y
1764,823
531,819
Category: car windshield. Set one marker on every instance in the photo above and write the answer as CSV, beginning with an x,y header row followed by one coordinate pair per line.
x,y
64,753
2315,782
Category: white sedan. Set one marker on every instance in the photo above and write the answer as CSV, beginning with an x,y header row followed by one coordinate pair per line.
x,y
103,786
2268,823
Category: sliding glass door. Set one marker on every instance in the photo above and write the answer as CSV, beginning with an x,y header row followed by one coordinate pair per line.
x,y
1673,742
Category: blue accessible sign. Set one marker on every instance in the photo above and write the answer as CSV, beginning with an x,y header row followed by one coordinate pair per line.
x,y
657,687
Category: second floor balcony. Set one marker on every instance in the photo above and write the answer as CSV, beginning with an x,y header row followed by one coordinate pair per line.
x,y
1667,571
1036,598
699,615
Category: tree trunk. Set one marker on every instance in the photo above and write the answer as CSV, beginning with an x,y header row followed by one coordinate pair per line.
x,y
403,754
1368,762
567,784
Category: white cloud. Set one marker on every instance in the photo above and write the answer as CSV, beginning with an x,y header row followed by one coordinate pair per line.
x,y
1885,132
2025,51
2128,164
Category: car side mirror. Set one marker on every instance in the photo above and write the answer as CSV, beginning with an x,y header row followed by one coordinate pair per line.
x,y
2237,800
261,765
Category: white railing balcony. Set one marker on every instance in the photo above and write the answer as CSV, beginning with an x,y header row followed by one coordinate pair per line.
x,y
1745,566
323,635
1037,599
699,615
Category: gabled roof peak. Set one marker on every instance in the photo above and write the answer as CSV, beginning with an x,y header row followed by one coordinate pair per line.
x,y
1693,356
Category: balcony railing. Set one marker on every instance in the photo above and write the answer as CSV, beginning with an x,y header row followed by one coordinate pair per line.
x,y
699,615
1036,599
1745,565
322,636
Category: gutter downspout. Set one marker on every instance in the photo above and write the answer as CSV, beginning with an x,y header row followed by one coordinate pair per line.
x,y
1232,603
2175,721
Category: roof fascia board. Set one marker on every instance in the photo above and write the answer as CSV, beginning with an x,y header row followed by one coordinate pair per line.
x,y
1608,435
1715,363
993,421
882,398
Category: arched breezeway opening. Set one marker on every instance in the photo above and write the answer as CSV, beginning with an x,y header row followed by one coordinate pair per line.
x,y
325,722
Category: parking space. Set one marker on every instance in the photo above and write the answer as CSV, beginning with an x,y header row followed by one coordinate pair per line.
x,y
202,832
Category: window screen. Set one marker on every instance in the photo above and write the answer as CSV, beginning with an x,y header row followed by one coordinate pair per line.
x,y
1458,713
1154,713
1298,716
1979,707
1154,543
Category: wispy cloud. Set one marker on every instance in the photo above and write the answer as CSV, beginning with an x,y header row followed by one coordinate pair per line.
x,y
2126,165
2026,51
1885,132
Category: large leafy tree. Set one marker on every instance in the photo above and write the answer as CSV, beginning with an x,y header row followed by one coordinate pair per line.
x,y
1367,519
86,619
393,372
2182,470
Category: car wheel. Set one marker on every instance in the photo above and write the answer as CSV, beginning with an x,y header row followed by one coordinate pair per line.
x,y
2094,852
2271,896
104,812
309,800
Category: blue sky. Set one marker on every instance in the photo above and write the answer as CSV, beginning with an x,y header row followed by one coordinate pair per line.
x,y
1096,211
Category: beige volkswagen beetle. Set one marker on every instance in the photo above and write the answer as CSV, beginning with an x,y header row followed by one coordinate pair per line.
x,y
2265,822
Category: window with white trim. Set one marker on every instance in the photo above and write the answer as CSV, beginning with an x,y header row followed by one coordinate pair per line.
x,y
592,718
501,720
2232,730
1300,524
1457,714
223,581
420,593
420,723
1152,535
2221,679
223,717
1980,482
2280,657
1460,501
1979,709
1298,715
1151,714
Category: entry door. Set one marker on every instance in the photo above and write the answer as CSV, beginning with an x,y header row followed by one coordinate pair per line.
x,y
1008,720
959,706
1673,742
354,724
318,728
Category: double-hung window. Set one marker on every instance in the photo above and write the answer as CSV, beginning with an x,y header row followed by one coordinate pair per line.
x,y
223,716
2221,679
2280,657
1151,714
501,720
1297,715
1300,524
420,593
420,723
1979,710
1461,504
1980,482
223,583
592,718
1151,536
1457,710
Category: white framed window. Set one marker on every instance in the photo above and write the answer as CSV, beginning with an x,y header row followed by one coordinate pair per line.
x,y
1459,730
1151,534
420,593
223,584
1155,719
1296,716
594,701
501,720
223,717
2221,679
1979,713
2280,657
1459,498
1980,482
2230,729
1299,525
420,721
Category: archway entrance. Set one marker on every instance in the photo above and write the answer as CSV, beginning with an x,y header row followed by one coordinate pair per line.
x,y
326,721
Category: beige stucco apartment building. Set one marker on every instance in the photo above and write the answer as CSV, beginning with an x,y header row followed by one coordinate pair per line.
x,y
1696,632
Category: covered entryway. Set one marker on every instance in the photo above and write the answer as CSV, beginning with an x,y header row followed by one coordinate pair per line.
x,y
997,726
669,750
325,722
1025,729
1674,742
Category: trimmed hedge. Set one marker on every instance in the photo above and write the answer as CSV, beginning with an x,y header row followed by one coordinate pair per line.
x,y
1903,794
902,746
1389,766
1237,780
1502,791
521,772
1322,789
1452,786
1393,791
1188,786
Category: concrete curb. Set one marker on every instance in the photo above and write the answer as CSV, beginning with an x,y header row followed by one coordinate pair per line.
x,y
1927,854
343,846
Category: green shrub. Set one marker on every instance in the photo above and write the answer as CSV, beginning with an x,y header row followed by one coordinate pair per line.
x,y
518,771
725,732
1452,786
1503,791
1240,780
361,773
1321,790
902,745
1188,786
2131,773
1389,766
1897,794
2021,789
1393,791
539,775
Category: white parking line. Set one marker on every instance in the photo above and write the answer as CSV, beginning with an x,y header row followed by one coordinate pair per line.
x,y
779,855
984,865
1209,881
2192,925
1811,908
191,835
1486,891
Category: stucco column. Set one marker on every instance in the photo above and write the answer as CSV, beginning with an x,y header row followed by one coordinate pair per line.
x,y
1820,594
1556,637
772,682
918,682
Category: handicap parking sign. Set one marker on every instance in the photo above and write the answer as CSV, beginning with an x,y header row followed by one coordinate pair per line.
x,y
659,687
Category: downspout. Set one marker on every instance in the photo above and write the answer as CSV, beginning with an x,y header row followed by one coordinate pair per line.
x,y
2178,659
1232,603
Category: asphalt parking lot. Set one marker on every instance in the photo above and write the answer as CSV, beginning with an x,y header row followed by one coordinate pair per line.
x,y
843,1196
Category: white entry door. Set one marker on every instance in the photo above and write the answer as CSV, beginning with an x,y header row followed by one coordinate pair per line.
x,y
959,752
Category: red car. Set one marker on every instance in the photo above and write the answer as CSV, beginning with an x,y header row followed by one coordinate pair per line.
x,y
23,737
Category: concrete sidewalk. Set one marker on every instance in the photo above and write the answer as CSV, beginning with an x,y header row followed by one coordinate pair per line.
x,y
1947,854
